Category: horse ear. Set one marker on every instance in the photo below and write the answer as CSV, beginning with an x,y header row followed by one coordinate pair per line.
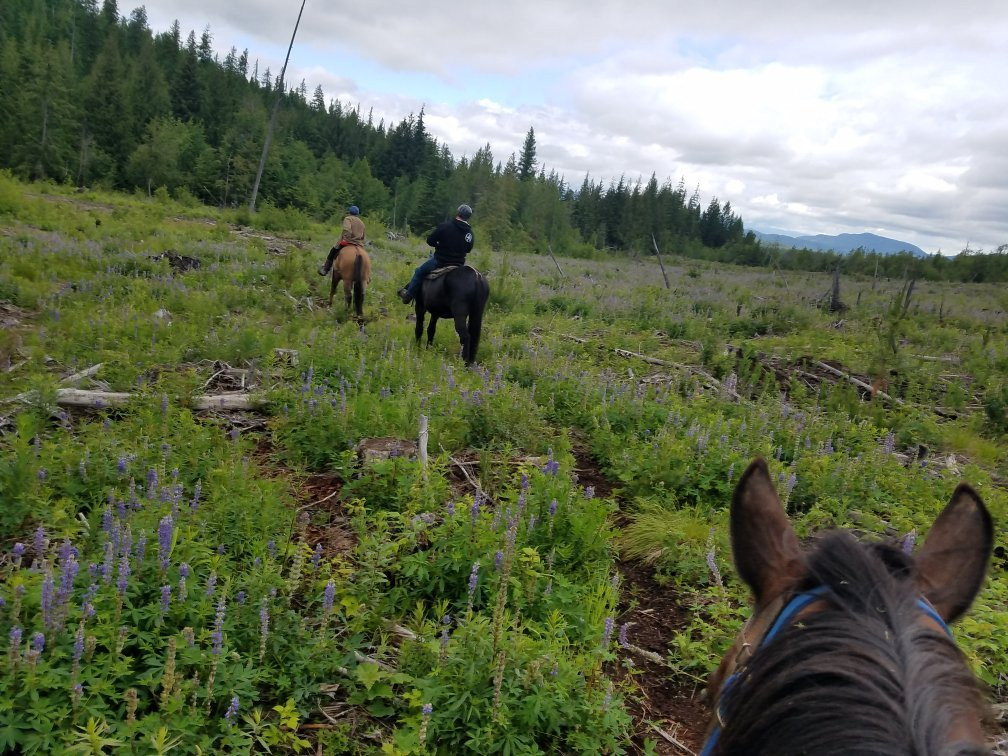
x,y
953,560
765,547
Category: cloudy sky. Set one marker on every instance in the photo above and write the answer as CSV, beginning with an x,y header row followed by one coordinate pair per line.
x,y
815,116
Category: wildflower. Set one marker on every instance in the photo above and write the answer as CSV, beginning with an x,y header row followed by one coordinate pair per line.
x,y
271,548
909,540
473,578
240,598
589,492
427,709
165,599
141,547
14,636
41,543
889,445
121,465
474,511
317,557
624,643
232,711
607,628
498,560
166,533
75,695
47,599
263,628
194,504
189,635
38,642
556,670
450,507
328,597
42,474
211,584
552,466
124,573
17,552
712,566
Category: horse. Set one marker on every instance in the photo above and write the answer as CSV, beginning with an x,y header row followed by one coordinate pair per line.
x,y
352,266
848,648
460,293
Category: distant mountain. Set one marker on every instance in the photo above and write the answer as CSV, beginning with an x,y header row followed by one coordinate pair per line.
x,y
843,243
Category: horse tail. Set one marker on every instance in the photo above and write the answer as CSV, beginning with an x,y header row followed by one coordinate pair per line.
x,y
481,294
358,285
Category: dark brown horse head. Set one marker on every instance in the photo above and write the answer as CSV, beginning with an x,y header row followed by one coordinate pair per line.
x,y
848,649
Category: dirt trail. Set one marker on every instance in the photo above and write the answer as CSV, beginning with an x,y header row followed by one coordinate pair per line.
x,y
654,614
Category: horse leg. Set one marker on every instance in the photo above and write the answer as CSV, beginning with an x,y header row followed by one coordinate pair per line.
x,y
333,284
462,329
348,292
419,323
431,328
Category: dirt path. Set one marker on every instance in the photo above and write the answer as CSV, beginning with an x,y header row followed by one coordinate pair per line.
x,y
665,711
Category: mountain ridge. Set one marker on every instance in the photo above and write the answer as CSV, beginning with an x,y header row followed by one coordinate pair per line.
x,y
842,243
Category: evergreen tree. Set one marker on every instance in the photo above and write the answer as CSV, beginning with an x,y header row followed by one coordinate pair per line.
x,y
527,162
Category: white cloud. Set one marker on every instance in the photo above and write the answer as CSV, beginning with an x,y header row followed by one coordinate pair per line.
x,y
831,116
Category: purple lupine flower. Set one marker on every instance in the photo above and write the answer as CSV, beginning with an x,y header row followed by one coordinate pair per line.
x,y
18,551
78,647
555,671
791,481
107,520
427,709
121,464
589,492
166,533
889,445
607,628
232,711
42,474
498,560
273,592
257,562
165,599
474,511
41,543
552,510
473,578
623,635
211,584
552,466
712,566
38,642
124,573
194,504
328,596
444,638
317,557
235,433
263,621
240,598
525,478
48,598
141,547
271,548
164,403
828,446
450,507
909,540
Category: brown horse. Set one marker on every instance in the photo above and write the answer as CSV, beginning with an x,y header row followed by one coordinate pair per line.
x,y
352,266
847,650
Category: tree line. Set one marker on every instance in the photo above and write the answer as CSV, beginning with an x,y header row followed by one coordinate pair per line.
x,y
94,98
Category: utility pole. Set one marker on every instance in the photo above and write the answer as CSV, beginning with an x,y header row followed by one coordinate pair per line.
x,y
276,106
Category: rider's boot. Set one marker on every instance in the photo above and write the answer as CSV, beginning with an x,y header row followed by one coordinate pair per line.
x,y
404,295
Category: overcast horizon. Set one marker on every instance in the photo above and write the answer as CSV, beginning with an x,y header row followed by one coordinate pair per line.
x,y
810,118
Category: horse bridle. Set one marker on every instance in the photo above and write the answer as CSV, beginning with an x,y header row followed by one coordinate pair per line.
x,y
787,614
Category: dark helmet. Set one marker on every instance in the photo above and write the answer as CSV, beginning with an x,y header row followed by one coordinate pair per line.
x,y
464,212
354,210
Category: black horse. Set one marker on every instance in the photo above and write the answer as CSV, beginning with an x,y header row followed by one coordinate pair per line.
x,y
461,294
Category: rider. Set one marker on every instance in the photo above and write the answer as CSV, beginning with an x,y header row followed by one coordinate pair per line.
x,y
353,234
452,241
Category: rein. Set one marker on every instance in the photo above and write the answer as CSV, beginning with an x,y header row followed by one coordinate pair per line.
x,y
791,610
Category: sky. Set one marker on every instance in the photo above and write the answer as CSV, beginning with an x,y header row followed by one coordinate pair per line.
x,y
808,116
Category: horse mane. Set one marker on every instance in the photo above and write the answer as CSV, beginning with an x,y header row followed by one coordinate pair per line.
x,y
862,676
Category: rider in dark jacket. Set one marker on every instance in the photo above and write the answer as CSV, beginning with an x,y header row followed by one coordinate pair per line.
x,y
452,241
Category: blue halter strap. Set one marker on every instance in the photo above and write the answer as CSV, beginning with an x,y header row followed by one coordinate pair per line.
x,y
794,607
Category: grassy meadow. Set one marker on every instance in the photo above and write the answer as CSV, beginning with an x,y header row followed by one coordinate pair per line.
x,y
174,580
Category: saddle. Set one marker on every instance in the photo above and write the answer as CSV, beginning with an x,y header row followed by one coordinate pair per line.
x,y
438,272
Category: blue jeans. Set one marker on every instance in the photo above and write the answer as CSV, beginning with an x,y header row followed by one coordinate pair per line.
x,y
413,287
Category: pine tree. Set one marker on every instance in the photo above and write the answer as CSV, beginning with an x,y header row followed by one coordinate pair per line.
x,y
527,162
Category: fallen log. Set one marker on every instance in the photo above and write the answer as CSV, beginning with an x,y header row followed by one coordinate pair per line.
x,y
856,381
86,373
71,397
